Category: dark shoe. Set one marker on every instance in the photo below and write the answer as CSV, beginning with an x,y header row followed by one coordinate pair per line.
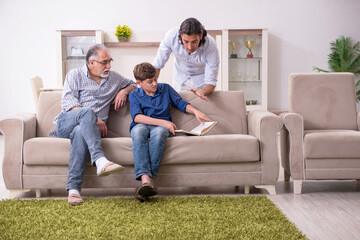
x,y
147,190
141,198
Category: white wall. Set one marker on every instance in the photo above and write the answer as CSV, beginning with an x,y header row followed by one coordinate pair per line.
x,y
299,34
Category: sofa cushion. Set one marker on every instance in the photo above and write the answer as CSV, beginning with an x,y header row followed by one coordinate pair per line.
x,y
332,144
229,148
42,150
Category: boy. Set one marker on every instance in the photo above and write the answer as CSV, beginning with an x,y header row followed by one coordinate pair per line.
x,y
150,111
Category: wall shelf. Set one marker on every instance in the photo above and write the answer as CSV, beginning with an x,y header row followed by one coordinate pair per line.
x,y
131,44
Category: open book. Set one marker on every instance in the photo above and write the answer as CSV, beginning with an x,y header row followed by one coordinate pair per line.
x,y
199,130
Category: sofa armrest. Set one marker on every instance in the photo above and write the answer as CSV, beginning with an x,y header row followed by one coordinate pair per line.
x,y
358,121
16,131
265,126
293,145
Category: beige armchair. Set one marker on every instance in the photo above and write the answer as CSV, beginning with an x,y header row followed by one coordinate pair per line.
x,y
321,138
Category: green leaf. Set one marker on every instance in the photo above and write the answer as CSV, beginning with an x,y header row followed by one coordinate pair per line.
x,y
344,57
319,70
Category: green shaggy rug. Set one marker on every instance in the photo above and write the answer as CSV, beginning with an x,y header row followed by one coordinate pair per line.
x,y
243,217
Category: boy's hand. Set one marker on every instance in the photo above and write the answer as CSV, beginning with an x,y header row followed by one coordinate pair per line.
x,y
199,115
199,94
102,127
170,126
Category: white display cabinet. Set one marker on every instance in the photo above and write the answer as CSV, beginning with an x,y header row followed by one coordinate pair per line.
x,y
243,71
72,46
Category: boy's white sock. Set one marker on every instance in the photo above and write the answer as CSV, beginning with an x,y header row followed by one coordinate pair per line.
x,y
100,163
74,191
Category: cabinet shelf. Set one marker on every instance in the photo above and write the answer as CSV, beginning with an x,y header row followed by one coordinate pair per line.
x,y
71,49
242,73
247,59
131,44
246,81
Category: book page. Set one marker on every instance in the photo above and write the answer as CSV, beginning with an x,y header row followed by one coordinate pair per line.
x,y
203,127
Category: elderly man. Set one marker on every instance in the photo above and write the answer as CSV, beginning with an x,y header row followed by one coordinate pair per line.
x,y
87,95
196,58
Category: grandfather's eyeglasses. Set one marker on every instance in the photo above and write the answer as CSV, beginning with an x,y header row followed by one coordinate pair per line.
x,y
105,62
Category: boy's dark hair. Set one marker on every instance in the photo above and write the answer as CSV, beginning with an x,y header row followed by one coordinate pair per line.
x,y
192,26
144,71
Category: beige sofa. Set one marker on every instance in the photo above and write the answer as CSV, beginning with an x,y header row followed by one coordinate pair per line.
x,y
241,150
321,138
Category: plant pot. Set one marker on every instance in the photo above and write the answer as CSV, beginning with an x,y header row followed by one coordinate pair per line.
x,y
123,39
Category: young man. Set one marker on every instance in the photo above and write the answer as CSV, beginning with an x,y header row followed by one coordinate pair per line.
x,y
87,95
196,58
150,111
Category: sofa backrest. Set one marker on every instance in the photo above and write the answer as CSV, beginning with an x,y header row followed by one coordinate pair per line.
x,y
49,106
227,108
325,100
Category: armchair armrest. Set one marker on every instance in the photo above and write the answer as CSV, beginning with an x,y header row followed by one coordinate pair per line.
x,y
16,131
265,126
293,145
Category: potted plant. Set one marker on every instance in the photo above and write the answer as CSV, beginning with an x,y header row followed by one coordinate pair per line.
x,y
123,33
344,57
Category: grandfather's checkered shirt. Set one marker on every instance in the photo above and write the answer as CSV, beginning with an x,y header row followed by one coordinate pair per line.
x,y
81,90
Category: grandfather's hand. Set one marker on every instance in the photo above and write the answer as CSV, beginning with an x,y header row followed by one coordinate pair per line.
x,y
120,100
199,94
102,127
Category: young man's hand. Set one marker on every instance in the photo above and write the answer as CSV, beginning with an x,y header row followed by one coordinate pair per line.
x,y
199,94
102,127
204,91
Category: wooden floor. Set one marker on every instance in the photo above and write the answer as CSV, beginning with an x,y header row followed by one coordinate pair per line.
x,y
325,210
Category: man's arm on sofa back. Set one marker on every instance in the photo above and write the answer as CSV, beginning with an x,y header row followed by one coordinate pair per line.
x,y
16,131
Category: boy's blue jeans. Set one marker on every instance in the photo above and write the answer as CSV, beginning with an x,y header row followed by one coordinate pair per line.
x,y
81,128
148,153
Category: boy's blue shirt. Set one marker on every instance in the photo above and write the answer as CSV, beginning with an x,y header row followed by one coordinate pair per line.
x,y
157,106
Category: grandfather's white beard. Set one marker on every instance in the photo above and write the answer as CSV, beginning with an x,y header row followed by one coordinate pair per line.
x,y
105,73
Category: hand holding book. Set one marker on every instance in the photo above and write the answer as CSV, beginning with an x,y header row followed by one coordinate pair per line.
x,y
200,130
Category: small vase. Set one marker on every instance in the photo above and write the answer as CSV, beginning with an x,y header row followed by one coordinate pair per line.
x,y
123,39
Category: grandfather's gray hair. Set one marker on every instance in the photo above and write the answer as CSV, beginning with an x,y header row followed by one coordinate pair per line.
x,y
92,53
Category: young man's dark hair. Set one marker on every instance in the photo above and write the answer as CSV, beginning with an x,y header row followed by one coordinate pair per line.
x,y
144,71
192,26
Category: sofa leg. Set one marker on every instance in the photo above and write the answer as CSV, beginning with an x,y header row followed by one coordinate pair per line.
x,y
247,190
38,193
357,184
286,176
270,188
15,192
297,186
